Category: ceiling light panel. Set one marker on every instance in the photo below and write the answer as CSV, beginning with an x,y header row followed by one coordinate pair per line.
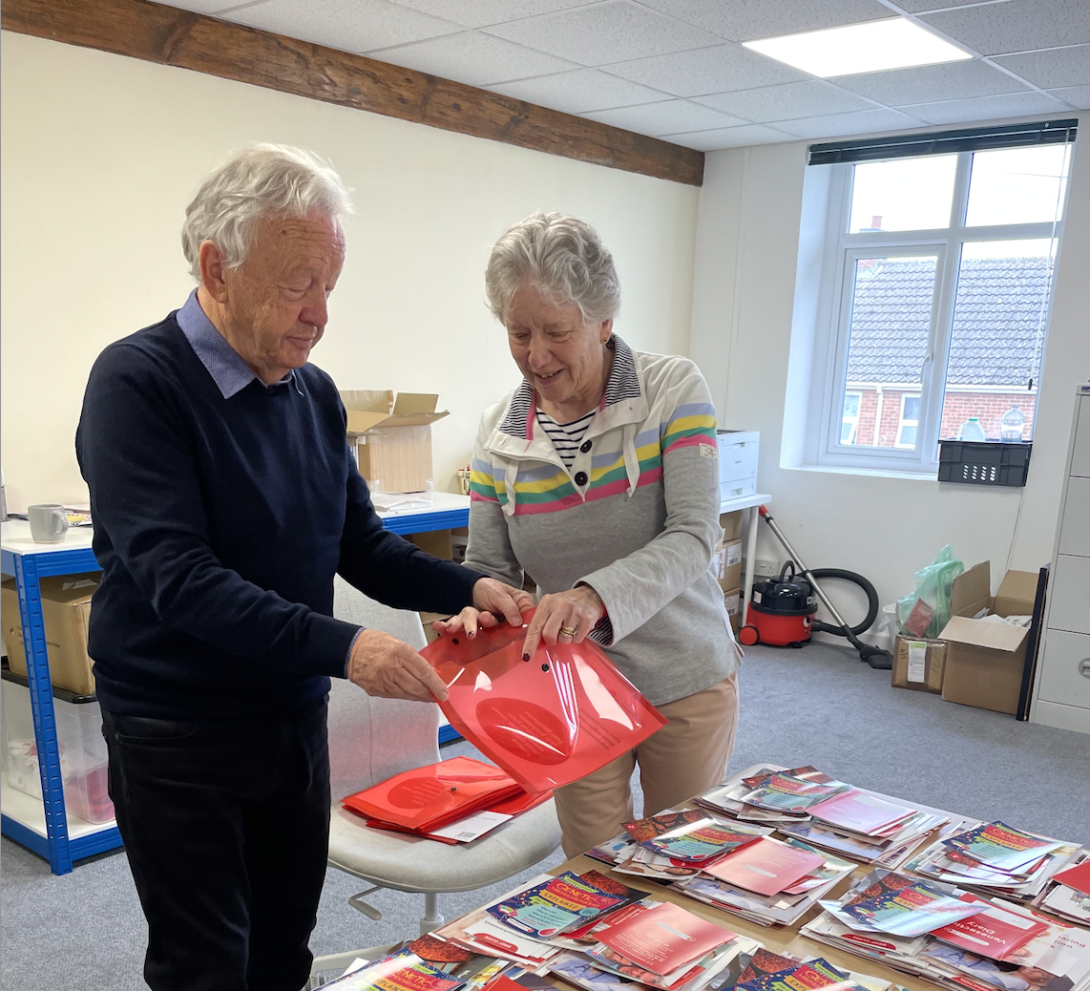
x,y
874,46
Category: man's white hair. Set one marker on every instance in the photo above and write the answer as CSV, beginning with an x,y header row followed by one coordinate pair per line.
x,y
562,257
262,179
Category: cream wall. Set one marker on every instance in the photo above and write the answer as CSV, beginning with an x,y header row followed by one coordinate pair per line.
x,y
100,155
883,527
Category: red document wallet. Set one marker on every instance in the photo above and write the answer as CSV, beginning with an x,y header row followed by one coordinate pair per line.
x,y
548,721
431,797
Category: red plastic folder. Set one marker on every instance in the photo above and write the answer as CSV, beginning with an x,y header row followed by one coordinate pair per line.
x,y
548,721
431,797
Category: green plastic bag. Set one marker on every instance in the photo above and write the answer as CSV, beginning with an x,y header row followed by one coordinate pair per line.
x,y
926,611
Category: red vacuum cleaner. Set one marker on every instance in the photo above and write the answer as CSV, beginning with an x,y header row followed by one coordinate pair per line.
x,y
781,609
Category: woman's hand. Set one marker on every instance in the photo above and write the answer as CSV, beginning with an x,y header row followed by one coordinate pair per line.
x,y
565,617
493,601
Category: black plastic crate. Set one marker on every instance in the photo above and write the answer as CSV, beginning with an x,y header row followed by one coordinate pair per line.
x,y
984,462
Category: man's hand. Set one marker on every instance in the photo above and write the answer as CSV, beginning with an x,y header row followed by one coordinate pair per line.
x,y
565,617
386,667
491,600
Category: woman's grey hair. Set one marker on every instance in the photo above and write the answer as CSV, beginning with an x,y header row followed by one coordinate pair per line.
x,y
262,179
560,256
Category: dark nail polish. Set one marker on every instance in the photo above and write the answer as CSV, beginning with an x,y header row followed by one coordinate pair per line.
x,y
525,657
472,634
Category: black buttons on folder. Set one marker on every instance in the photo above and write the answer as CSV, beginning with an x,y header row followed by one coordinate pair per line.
x,y
580,478
585,446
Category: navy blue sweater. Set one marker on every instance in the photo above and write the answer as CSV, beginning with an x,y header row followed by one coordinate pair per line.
x,y
219,524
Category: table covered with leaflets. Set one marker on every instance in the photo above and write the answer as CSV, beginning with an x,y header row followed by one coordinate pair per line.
x,y
778,880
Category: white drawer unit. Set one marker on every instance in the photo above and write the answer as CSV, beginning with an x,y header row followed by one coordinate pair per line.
x,y
738,450
1061,691
1067,679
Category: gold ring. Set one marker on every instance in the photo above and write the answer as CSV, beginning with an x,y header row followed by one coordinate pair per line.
x,y
568,631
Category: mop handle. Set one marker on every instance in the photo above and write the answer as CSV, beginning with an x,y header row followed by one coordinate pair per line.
x,y
767,516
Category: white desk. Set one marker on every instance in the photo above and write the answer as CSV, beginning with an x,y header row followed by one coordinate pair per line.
x,y
752,503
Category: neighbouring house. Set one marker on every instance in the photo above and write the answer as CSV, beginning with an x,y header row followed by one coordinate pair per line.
x,y
996,349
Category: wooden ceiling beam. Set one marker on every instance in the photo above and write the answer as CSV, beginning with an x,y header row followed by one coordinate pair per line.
x,y
168,36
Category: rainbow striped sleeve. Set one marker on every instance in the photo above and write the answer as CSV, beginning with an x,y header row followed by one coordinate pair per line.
x,y
689,426
482,483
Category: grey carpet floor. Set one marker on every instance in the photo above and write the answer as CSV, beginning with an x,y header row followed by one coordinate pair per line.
x,y
819,705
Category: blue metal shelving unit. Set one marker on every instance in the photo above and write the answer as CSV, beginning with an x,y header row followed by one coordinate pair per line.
x,y
29,563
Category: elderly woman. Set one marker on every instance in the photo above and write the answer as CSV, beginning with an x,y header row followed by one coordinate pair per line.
x,y
599,477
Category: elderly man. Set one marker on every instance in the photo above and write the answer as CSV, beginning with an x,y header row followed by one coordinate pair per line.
x,y
225,499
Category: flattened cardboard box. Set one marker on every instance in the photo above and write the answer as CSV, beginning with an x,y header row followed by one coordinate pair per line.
x,y
66,611
985,659
728,563
393,437
918,664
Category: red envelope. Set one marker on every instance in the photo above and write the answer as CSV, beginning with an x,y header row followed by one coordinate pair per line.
x,y
548,721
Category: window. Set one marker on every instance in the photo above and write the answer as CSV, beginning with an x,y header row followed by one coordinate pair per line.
x,y
935,287
849,423
910,420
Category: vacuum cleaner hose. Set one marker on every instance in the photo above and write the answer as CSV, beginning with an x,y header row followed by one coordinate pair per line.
x,y
820,574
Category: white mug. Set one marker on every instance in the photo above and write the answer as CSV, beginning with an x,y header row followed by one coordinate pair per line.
x,y
48,522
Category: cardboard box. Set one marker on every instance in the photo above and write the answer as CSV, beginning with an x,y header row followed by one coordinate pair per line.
x,y
985,659
731,524
66,611
919,664
728,563
393,437
733,601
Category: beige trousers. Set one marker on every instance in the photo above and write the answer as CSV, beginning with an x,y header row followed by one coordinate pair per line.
x,y
685,757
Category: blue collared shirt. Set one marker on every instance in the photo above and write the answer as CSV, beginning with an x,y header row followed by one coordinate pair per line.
x,y
226,366
228,370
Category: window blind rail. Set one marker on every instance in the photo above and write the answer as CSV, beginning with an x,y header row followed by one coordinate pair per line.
x,y
945,142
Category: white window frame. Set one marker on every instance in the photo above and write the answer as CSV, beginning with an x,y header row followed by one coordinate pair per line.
x,y
902,422
841,249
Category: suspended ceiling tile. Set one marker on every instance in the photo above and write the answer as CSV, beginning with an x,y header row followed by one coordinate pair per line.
x,y
478,13
987,108
615,31
1053,68
922,6
1077,96
580,91
744,20
729,137
710,70
786,101
843,125
930,83
473,58
348,25
671,117
1016,26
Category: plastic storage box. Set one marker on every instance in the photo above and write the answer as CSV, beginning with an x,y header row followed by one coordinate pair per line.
x,y
82,749
984,462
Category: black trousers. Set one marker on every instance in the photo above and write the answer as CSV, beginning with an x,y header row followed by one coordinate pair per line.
x,y
226,828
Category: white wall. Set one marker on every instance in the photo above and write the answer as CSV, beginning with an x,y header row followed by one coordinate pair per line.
x,y
886,528
100,155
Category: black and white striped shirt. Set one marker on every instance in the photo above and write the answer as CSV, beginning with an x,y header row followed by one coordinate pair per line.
x,y
566,437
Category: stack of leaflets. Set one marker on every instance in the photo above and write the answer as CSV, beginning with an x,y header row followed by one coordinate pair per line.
x,y
768,882
849,821
675,844
425,964
541,917
993,858
1068,895
652,944
954,938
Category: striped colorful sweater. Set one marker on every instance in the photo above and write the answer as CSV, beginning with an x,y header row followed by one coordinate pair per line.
x,y
636,517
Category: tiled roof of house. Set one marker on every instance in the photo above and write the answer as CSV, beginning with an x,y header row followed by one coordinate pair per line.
x,y
1000,308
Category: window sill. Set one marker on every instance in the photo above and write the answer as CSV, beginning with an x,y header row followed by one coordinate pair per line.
x,y
918,476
